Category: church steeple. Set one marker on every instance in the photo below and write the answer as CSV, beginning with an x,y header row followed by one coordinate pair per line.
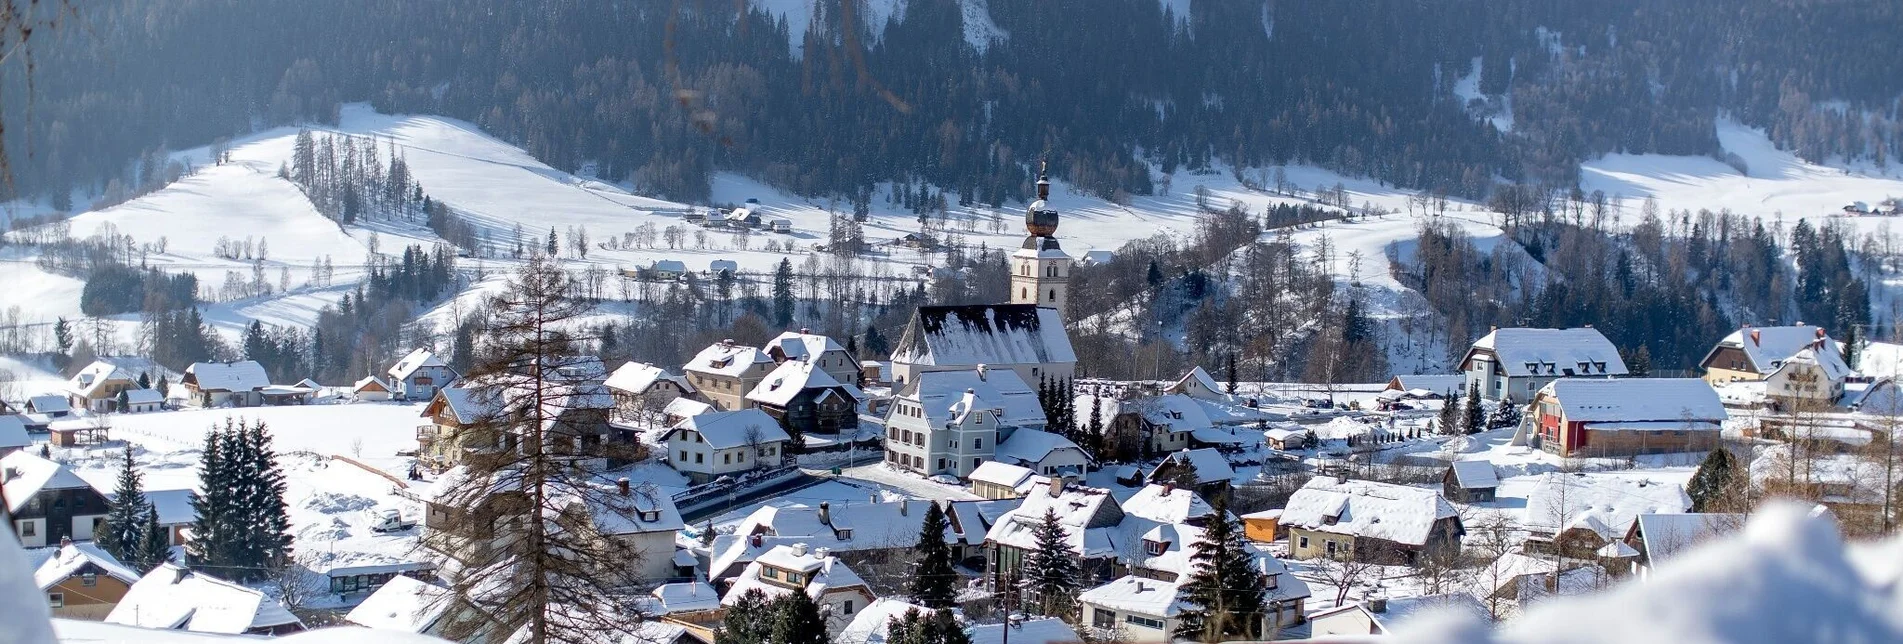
x,y
1040,271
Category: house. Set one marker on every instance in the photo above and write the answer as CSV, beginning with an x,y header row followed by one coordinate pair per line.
x,y
1811,379
839,591
138,401
464,424
80,580
172,597
720,443
1205,470
1095,257
175,512
806,399
645,530
1426,386
643,390
743,218
403,604
1659,536
418,375
1369,521
682,409
1351,620
1197,384
371,389
1577,514
1625,417
1469,481
724,372
820,350
1286,438
53,406
96,388
1523,580
225,384
1170,505
871,625
999,480
1511,364
1133,609
668,269
13,436
1167,423
875,533
720,266
1080,510
780,225
47,502
1024,338
950,422
1041,451
1753,352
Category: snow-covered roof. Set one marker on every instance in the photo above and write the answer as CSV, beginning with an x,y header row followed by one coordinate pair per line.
x,y
243,375
1000,473
993,334
1197,381
670,266
645,510
727,359
13,432
686,408
1665,534
719,265
402,604
370,383
1000,390
1032,446
1136,595
1551,352
1178,412
416,360
27,475
684,597
66,561
173,597
1636,399
49,404
174,506
1604,504
824,573
1472,475
1076,507
1040,630
1367,509
468,402
1227,436
1827,360
90,379
786,381
843,526
143,396
635,377
1208,464
1167,504
796,345
1440,384
730,429
869,625
1766,347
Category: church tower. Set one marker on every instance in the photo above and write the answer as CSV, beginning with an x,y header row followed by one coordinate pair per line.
x,y
1040,271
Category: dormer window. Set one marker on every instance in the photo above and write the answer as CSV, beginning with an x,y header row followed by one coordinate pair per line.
x,y
845,534
1155,547
769,573
651,516
1331,519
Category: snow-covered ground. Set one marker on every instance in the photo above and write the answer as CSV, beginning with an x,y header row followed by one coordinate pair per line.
x,y
1777,181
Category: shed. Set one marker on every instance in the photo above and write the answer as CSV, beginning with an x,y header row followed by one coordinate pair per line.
x,y
1260,527
1469,481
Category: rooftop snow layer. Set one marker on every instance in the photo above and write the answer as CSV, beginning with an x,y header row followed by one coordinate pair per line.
x,y
1637,399
1556,352
243,375
27,475
1604,504
1367,509
1765,347
402,604
999,389
990,334
730,429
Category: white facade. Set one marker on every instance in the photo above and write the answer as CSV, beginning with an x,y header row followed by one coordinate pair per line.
x,y
1041,277
712,445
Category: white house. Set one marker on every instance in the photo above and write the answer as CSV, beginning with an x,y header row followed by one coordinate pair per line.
x,y
143,400
715,444
640,388
1811,378
219,384
1753,352
1197,384
950,422
839,591
418,375
1043,452
822,351
1133,609
96,388
647,531
1511,364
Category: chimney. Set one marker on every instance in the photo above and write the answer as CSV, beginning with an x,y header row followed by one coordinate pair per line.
x,y
65,541
1141,587
826,513
1057,486
622,486
822,552
1820,333
983,371
1754,337
1378,604
727,342
1169,488
905,505
755,540
799,550
805,331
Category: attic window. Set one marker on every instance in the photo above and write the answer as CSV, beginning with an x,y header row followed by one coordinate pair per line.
x,y
845,534
1331,519
1601,366
1533,367
1154,547
651,515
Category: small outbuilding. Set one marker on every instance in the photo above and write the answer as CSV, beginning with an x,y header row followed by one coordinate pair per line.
x,y
1469,481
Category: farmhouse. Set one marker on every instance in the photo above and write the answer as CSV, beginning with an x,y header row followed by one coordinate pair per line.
x,y
724,372
1511,364
642,389
418,375
1811,379
96,388
48,502
221,384
1753,352
711,445
1369,521
81,581
807,399
1600,417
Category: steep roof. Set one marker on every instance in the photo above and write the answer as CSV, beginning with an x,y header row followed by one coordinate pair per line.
x,y
27,475
243,375
1828,360
1167,504
869,625
68,560
1077,507
1367,509
825,573
730,429
843,526
1179,412
1034,446
1442,384
13,432
90,379
1475,475
1208,464
172,597
1000,389
402,604
994,334
686,407
727,359
1607,505
1636,399
1200,380
635,377
795,345
786,381
1551,352
1766,347
1665,534
416,360
370,383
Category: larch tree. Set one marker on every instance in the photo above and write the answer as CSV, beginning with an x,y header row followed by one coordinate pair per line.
x,y
526,499
934,583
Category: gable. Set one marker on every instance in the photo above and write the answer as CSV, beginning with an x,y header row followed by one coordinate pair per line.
x,y
993,334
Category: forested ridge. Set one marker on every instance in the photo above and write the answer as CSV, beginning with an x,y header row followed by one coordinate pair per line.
x,y
663,93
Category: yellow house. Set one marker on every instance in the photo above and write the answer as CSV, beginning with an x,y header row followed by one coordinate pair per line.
x,y
1261,527
81,581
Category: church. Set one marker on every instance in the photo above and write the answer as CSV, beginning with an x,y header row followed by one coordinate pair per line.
x,y
1025,336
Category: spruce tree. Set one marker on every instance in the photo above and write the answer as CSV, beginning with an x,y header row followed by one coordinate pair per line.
x,y
124,519
145,380
212,533
155,543
1226,597
783,302
934,584
1050,569
1230,374
1712,484
796,620
1096,437
747,621
269,514
1475,416
1447,421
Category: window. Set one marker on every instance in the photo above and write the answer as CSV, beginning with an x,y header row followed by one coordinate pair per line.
x,y
1053,295
847,607
56,600
1302,542
977,443
796,578
29,528
770,573
89,579
700,458
1101,618
1144,621
726,459
1154,547
683,456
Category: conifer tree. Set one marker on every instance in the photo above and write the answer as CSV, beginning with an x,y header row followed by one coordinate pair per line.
x,y
212,531
124,528
1447,422
145,380
269,516
747,621
1713,484
1230,374
1226,596
916,627
1097,440
1050,570
155,543
796,620
1475,419
934,583
783,302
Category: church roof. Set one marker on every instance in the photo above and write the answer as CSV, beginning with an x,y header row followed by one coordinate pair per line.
x,y
990,334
